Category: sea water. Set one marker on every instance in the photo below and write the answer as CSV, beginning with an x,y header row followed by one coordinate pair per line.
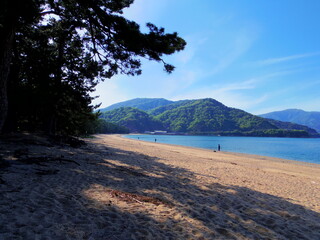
x,y
300,149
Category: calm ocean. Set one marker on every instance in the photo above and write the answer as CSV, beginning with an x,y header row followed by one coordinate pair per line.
x,y
300,149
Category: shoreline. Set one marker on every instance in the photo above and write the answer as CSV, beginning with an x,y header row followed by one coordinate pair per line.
x,y
120,188
264,164
235,153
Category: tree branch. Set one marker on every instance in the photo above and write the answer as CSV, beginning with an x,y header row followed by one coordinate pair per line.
x,y
50,12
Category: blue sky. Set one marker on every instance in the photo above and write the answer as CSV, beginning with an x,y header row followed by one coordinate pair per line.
x,y
259,56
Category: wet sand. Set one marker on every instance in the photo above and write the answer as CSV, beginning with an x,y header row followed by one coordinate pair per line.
x,y
118,188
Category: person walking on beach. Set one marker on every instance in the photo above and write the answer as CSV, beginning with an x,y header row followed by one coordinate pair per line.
x,y
155,140
219,147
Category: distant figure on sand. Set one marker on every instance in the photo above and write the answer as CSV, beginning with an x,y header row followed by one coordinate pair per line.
x,y
218,147
155,140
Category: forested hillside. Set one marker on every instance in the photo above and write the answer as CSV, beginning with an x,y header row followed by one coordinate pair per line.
x,y
209,115
162,109
132,118
203,116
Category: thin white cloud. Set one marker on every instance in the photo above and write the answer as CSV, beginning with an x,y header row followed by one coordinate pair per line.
x,y
235,94
236,46
229,97
143,11
249,84
109,93
271,61
194,43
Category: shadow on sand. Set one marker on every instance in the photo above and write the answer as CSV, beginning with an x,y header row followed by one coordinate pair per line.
x,y
75,201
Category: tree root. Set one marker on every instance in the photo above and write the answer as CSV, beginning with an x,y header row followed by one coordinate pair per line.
x,y
132,197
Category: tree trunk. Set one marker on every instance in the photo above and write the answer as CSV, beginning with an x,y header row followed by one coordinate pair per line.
x,y
5,61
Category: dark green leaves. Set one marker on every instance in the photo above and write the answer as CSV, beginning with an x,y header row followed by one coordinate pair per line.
x,y
62,49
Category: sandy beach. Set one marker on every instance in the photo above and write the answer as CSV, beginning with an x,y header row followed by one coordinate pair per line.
x,y
118,188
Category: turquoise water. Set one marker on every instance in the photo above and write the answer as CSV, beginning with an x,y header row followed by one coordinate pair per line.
x,y
300,149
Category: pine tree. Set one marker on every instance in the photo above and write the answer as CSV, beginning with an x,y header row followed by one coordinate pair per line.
x,y
59,61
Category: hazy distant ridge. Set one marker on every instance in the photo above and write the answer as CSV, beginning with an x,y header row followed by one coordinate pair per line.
x,y
310,119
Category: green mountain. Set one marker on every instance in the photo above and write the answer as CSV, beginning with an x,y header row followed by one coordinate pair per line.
x,y
173,105
144,104
132,118
310,119
209,115
203,116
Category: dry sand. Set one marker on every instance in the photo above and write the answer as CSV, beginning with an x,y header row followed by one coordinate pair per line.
x,y
116,188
